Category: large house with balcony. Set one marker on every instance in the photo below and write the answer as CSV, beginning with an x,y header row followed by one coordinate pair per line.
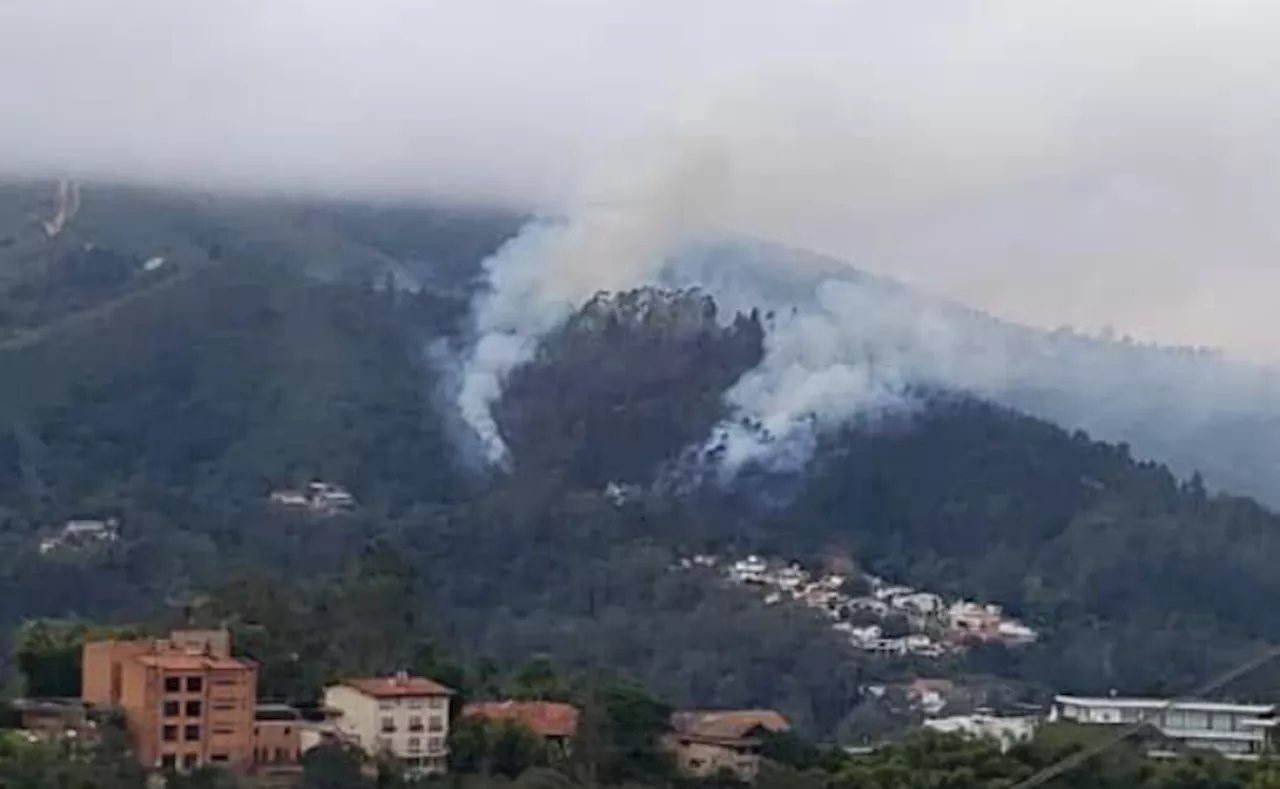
x,y
1237,731
402,716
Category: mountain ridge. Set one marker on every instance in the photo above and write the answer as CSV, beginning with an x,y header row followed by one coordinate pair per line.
x,y
180,414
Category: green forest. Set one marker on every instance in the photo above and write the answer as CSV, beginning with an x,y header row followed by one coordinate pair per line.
x,y
279,348
305,634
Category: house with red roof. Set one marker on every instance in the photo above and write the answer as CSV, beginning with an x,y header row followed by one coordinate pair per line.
x,y
555,722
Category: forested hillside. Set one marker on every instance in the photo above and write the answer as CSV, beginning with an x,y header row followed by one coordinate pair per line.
x,y
259,364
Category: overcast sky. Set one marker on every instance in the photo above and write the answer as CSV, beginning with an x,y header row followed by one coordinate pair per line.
x,y
1094,162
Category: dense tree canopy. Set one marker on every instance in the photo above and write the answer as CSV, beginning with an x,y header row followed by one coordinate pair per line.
x,y
287,347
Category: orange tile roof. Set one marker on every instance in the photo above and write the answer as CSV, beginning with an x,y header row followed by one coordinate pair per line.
x,y
544,718
397,687
727,724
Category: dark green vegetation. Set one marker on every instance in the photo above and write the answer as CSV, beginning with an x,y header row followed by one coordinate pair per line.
x,y
274,353
354,620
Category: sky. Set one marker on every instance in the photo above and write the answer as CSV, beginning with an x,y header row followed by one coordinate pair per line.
x,y
1086,162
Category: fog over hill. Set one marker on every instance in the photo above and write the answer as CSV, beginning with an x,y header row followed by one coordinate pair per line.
x,y
1075,162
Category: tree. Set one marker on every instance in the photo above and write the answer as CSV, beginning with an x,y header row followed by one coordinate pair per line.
x,y
513,749
48,652
333,766
634,725
538,679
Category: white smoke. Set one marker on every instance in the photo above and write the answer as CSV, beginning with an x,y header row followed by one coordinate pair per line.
x,y
842,346
620,230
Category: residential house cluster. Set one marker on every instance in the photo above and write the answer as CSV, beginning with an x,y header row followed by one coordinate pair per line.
x,y
80,535
316,498
187,702
935,626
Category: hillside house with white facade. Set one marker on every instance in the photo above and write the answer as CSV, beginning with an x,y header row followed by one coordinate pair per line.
x,y
406,717
1237,731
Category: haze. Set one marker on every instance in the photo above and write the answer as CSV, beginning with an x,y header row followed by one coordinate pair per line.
x,y
1059,161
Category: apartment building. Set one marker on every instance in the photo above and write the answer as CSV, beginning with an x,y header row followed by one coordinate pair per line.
x,y
404,716
187,701
1237,731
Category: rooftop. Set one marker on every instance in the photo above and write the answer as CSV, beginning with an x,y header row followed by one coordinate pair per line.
x,y
544,718
178,661
1173,704
727,724
398,686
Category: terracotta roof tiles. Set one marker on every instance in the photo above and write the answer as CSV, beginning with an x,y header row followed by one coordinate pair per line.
x,y
397,687
544,718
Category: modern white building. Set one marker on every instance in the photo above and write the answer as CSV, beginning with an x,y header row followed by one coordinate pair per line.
x,y
1238,731
407,717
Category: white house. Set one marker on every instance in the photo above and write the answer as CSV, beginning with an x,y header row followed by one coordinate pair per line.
x,y
1005,731
922,603
1015,632
407,717
749,570
82,534
1238,731
887,593
790,578
327,496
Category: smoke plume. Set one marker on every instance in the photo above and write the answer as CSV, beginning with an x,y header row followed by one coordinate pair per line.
x,y
622,228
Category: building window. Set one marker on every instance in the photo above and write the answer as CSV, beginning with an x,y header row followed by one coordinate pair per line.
x,y
195,684
171,709
219,758
169,761
193,709
172,685
415,744
287,731
282,755
435,744
414,704
388,725
169,734
436,703
191,733
224,682
224,729
386,705
190,760
224,706
436,723
415,723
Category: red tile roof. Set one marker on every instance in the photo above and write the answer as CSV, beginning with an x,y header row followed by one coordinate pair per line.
x,y
397,687
544,718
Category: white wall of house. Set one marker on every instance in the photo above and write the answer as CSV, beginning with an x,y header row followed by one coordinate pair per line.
x,y
1229,728
412,728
